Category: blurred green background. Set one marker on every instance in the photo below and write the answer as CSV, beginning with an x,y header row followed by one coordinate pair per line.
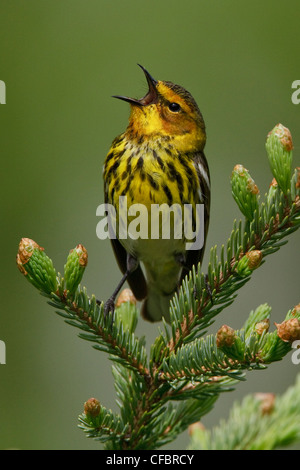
x,y
61,61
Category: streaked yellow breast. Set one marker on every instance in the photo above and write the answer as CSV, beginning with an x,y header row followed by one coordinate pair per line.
x,y
150,172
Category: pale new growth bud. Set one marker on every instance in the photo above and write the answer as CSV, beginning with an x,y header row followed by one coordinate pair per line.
x,y
126,311
126,295
274,183
92,407
254,259
26,248
262,326
284,135
267,402
225,337
74,267
193,428
36,266
244,191
289,330
296,310
82,255
250,261
279,148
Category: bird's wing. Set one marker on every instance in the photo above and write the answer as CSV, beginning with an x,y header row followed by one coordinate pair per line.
x,y
193,257
136,280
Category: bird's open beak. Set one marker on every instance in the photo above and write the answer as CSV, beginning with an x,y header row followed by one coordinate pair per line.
x,y
150,98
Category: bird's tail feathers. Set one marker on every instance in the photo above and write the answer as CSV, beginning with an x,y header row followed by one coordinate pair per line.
x,y
157,304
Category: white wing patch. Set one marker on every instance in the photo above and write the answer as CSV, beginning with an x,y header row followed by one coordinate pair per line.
x,y
204,174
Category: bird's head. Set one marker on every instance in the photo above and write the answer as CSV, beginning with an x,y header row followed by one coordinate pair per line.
x,y
167,110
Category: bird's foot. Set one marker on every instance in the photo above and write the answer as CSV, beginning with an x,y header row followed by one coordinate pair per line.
x,y
109,307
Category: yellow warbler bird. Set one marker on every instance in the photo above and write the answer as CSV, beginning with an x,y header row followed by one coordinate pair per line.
x,y
158,161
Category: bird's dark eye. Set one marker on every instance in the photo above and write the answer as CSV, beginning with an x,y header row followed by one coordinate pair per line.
x,y
175,107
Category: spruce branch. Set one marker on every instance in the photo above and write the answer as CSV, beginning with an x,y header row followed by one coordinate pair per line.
x,y
263,232
101,424
76,307
161,395
260,422
230,352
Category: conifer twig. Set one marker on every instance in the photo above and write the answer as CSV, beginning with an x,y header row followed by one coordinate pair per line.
x,y
161,395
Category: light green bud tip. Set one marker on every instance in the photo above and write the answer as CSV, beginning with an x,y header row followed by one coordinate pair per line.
x,y
279,148
196,430
244,191
230,343
36,266
126,311
262,326
74,267
249,262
